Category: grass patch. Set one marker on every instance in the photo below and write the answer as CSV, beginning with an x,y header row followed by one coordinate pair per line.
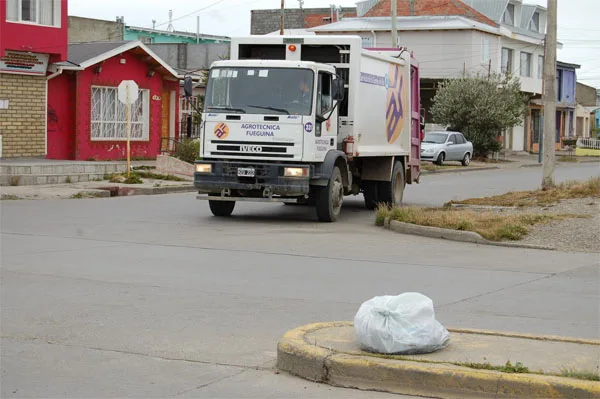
x,y
508,367
143,167
68,180
158,176
9,197
133,178
581,375
567,190
85,194
490,225
430,167
566,158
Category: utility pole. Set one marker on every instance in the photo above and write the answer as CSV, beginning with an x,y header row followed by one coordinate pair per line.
x,y
394,28
282,15
549,99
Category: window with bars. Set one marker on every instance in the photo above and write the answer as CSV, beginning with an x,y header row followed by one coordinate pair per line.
x,y
109,119
41,12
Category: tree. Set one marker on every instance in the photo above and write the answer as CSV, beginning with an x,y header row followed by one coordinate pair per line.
x,y
480,107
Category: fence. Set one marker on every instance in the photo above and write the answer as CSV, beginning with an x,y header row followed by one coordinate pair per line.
x,y
189,126
590,143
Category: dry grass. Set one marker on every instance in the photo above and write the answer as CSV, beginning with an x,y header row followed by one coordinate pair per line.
x,y
568,190
430,167
491,225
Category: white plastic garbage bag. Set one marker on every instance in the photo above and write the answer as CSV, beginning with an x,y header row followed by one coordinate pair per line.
x,y
403,324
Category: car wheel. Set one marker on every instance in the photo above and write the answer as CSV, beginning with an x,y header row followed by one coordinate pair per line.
x,y
466,159
440,159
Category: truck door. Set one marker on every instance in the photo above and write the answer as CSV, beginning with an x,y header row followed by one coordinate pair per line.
x,y
327,131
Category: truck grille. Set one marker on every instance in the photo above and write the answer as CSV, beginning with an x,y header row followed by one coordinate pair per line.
x,y
253,149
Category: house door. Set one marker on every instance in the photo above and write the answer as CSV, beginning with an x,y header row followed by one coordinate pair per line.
x,y
165,145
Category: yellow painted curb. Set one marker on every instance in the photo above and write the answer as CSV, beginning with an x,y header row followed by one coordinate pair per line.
x,y
306,359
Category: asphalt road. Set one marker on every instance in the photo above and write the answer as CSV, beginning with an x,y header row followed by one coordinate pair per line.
x,y
151,296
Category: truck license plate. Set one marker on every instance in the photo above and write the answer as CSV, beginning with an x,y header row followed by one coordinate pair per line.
x,y
246,172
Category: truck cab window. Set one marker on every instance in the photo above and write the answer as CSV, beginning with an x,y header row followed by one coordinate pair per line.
x,y
324,98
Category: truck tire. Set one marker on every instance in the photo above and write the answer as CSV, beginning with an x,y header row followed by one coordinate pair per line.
x,y
221,208
370,193
391,193
330,198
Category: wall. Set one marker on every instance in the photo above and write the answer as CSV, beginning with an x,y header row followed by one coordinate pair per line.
x,y
267,21
94,30
191,56
23,124
585,95
35,38
113,72
61,117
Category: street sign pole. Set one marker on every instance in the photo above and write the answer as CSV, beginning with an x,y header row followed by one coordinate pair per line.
x,y
128,127
128,93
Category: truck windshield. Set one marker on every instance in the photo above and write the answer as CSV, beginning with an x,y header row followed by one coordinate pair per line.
x,y
287,91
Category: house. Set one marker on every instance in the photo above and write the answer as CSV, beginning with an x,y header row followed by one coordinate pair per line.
x,y
82,29
32,36
263,22
566,105
86,121
453,37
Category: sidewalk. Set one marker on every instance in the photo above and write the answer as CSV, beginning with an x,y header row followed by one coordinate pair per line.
x,y
94,189
468,367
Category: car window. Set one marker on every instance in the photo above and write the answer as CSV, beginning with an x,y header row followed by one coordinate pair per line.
x,y
460,139
452,139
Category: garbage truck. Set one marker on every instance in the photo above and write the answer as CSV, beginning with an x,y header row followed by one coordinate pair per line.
x,y
309,120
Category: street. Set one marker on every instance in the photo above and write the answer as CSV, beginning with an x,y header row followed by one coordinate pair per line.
x,y
151,296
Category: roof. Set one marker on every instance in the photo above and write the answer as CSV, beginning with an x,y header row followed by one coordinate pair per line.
x,y
406,24
561,64
293,32
493,9
427,7
85,55
176,33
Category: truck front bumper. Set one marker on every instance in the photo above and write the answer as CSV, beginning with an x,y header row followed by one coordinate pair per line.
x,y
268,180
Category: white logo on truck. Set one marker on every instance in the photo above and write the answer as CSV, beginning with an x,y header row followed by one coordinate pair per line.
x,y
251,148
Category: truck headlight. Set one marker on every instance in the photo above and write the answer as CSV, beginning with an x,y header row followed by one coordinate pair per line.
x,y
203,168
295,172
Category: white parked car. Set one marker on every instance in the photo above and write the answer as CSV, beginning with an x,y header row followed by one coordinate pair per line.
x,y
441,146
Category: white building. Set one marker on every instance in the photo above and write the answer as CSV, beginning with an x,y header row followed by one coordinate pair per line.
x,y
504,36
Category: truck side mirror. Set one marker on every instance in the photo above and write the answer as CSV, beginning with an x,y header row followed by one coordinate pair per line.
x,y
188,86
338,89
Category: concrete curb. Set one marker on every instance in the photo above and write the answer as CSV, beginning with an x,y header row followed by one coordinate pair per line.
x,y
453,235
125,191
307,360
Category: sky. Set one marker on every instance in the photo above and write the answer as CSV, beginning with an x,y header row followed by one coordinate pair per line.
x,y
578,27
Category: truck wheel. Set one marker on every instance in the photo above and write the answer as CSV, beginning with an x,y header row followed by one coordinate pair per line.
x,y
330,198
391,193
221,208
370,194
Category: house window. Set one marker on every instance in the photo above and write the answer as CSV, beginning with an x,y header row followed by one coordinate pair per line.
x,y
509,15
109,120
534,24
41,12
485,50
540,66
507,60
525,64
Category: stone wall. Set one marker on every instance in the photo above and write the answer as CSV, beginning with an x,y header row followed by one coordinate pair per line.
x,y
23,123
